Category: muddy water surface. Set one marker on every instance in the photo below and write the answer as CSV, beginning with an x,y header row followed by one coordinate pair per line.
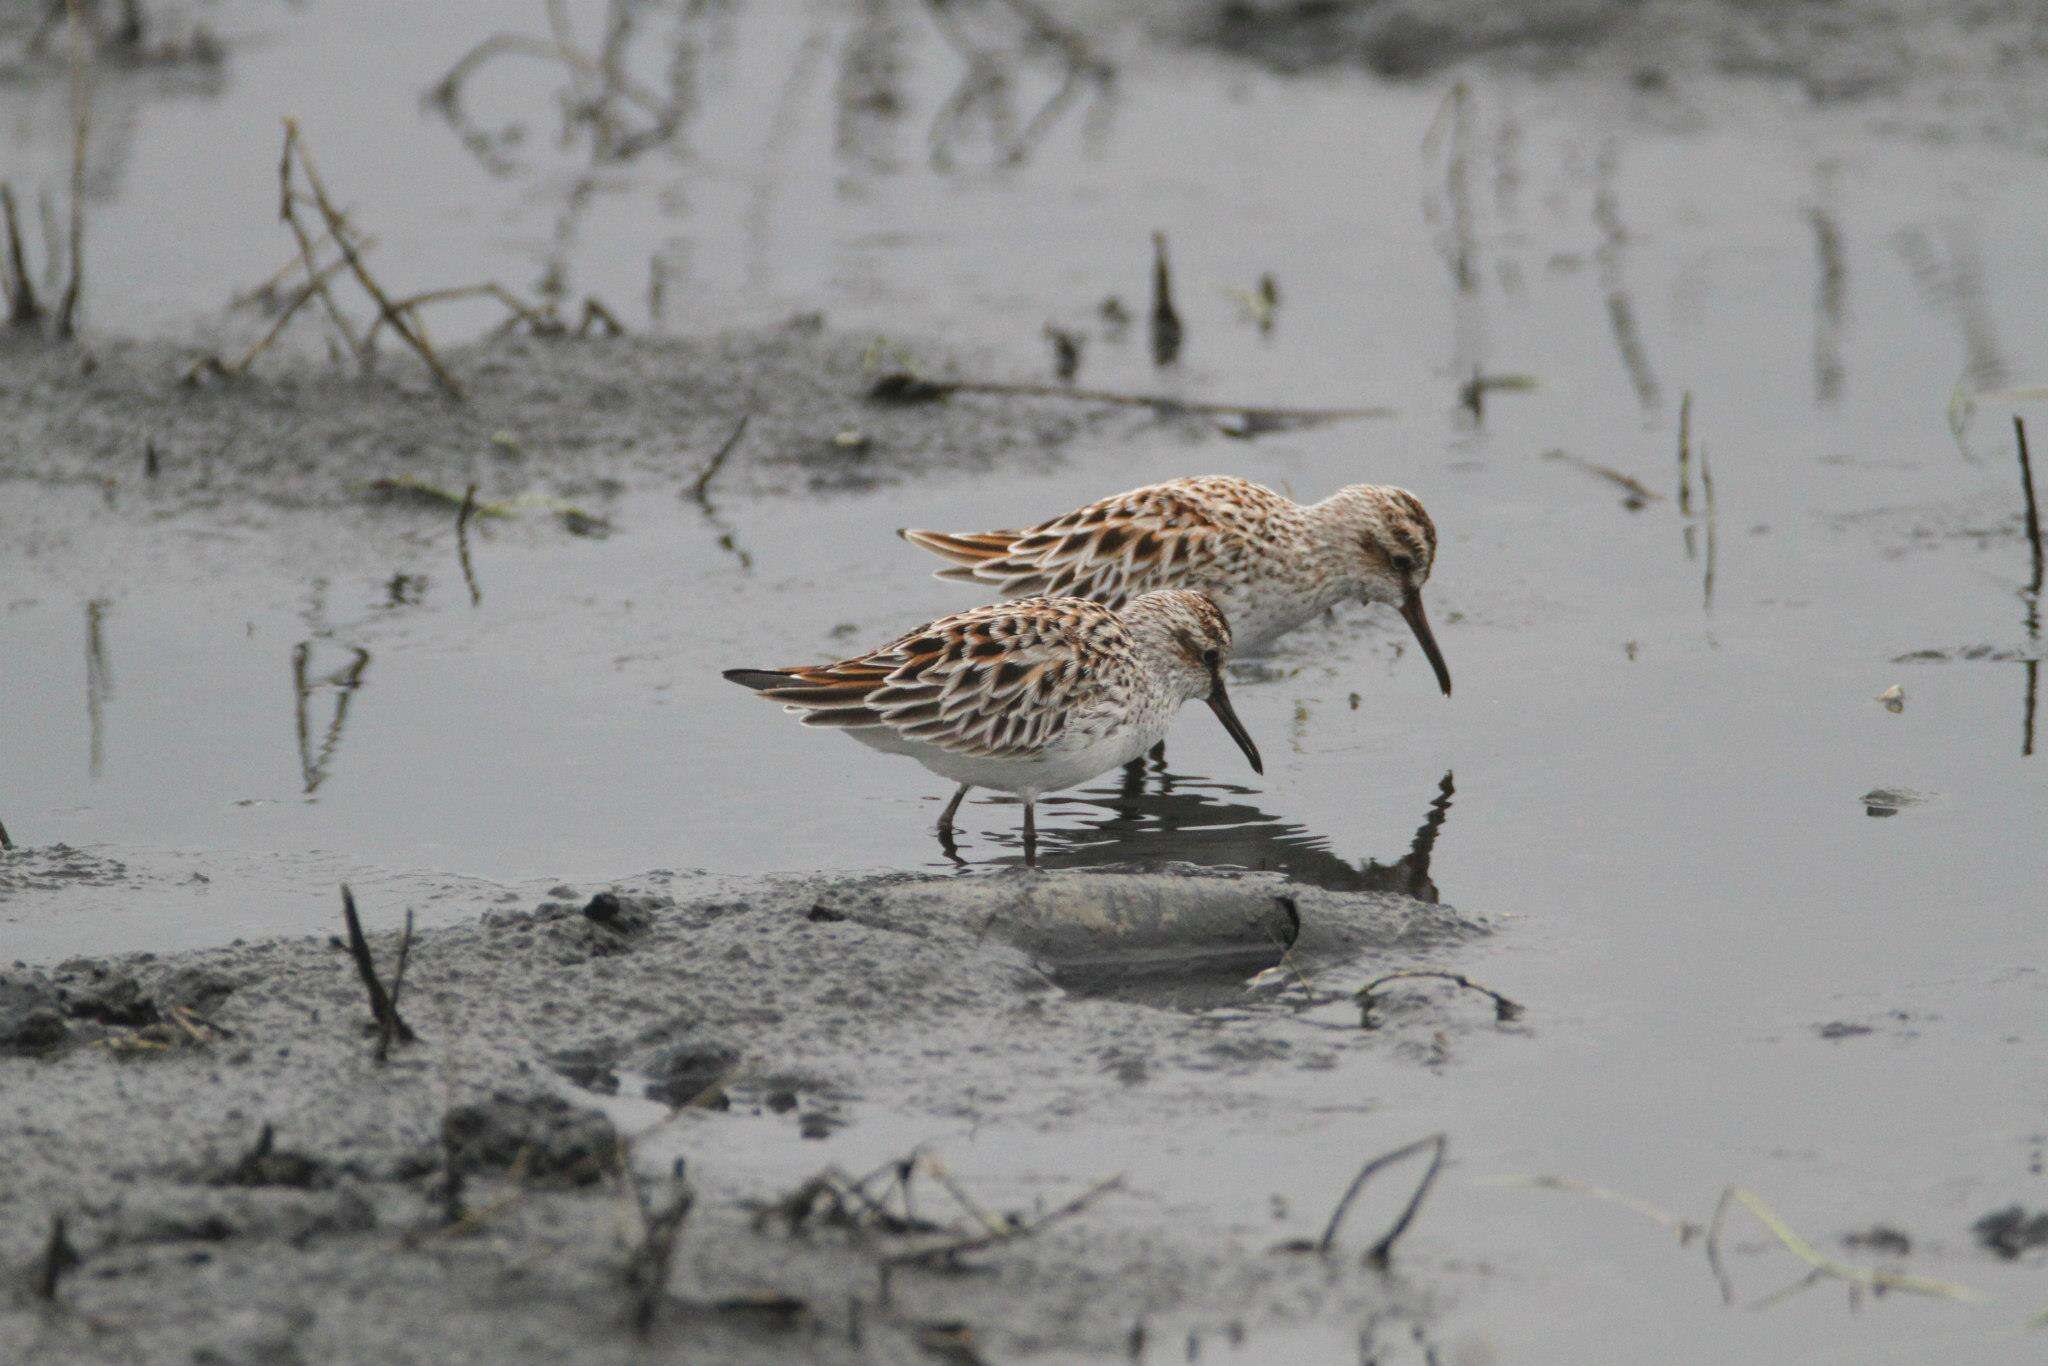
x,y
1665,722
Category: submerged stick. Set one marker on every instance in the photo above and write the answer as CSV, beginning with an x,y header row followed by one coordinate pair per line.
x,y
1166,328
700,487
23,310
1864,1277
337,224
1707,493
59,1256
462,516
902,387
1504,1010
1382,1251
1639,493
2019,429
1685,455
383,1007
81,117
956,1247
213,365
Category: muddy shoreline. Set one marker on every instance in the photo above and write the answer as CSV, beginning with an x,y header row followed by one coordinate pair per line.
x,y
230,1146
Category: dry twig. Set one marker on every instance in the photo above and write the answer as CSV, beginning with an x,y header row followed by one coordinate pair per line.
x,y
1381,1252
59,1256
952,1248
462,516
23,309
1504,1010
406,327
700,487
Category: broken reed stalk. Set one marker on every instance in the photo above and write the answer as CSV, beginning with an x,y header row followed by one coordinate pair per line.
x,y
1504,1010
338,225
383,1007
700,487
1166,328
937,1171
1637,490
59,1256
462,516
391,1021
1685,455
81,118
647,1269
902,387
1707,494
23,309
1381,1252
288,212
2019,430
1875,1279
317,285
957,1247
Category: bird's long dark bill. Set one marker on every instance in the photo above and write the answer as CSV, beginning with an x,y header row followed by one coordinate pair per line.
x,y
1411,611
1219,702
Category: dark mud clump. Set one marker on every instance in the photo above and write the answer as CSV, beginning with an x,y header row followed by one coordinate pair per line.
x,y
1834,51
2011,1231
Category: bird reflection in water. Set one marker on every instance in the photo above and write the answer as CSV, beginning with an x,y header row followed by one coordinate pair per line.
x,y
1158,817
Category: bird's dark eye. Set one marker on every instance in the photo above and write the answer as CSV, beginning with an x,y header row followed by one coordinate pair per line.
x,y
1211,658
1402,563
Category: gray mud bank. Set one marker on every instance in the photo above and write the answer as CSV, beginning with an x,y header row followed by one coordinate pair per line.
x,y
240,1180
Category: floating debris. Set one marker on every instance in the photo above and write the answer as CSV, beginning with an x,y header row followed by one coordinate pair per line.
x,y
1893,698
1889,801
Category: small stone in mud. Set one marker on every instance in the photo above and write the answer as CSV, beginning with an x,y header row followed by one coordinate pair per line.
x,y
2010,1231
1879,1238
690,1071
821,914
547,1137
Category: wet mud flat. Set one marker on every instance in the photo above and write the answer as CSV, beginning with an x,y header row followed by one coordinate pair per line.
x,y
219,1156
575,418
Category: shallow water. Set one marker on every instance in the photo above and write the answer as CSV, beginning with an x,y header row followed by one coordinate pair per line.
x,y
1663,726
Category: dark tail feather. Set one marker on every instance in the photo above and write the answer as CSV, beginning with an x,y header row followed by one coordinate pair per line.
x,y
761,680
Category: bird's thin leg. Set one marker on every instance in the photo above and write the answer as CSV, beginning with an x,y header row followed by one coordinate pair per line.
x,y
946,816
1030,833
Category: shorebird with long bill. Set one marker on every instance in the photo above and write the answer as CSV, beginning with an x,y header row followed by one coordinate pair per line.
x,y
1268,562
1025,697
